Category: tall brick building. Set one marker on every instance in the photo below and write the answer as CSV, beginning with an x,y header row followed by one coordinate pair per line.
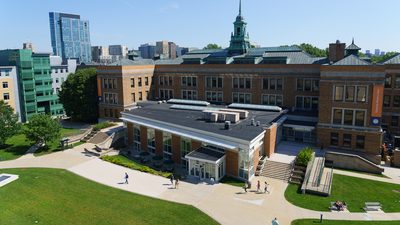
x,y
341,102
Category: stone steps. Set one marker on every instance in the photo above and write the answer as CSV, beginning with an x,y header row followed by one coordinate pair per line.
x,y
276,170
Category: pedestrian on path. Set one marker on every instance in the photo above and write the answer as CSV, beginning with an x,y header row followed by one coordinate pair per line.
x,y
172,179
126,178
275,221
266,187
245,187
176,183
258,186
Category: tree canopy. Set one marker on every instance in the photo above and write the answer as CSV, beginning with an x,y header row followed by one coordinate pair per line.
x,y
42,128
79,95
212,46
314,51
9,124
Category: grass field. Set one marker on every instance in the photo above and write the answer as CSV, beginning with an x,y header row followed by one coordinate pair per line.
x,y
354,191
52,196
15,146
342,222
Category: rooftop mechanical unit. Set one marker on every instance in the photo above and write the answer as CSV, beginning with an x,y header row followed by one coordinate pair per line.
x,y
270,108
188,102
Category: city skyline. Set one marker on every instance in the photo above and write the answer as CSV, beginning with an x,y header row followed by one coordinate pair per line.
x,y
128,22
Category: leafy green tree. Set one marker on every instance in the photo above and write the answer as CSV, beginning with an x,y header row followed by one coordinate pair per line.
x,y
9,124
212,46
42,128
314,51
79,95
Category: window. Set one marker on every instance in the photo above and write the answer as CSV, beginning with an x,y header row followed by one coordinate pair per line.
x,y
307,85
214,82
133,97
307,102
334,139
348,117
272,84
140,96
5,84
279,84
214,96
167,145
386,101
395,121
265,83
316,85
347,140
271,100
146,81
299,102
349,97
114,84
189,94
166,94
360,118
105,112
242,83
388,81
139,81
360,141
6,96
132,82
300,84
396,101
186,147
361,93
189,81
57,80
241,97
151,140
105,84
161,79
397,82
337,116
338,94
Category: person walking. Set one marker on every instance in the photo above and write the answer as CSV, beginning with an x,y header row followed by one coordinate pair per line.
x,y
258,186
266,187
245,187
176,183
126,178
172,179
275,221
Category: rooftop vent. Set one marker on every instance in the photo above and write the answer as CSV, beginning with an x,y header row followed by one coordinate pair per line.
x,y
188,102
227,125
256,107
258,123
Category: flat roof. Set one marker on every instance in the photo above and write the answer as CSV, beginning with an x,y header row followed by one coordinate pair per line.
x,y
194,119
206,154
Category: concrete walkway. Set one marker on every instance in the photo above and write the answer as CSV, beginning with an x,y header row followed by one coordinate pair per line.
x,y
226,204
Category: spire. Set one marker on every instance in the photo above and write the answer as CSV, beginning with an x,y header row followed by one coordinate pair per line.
x,y
352,42
240,7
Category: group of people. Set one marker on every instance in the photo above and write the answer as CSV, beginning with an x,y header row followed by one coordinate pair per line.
x,y
172,179
247,185
340,206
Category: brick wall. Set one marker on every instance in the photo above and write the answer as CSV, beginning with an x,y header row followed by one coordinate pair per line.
x,y
270,140
232,163
176,149
159,142
143,138
129,127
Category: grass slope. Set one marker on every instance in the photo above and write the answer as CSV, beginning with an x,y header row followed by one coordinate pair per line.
x,y
15,146
342,222
354,191
52,196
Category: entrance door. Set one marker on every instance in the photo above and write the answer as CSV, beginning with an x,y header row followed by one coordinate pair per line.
x,y
199,171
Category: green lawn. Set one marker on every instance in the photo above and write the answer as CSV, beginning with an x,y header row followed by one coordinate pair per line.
x,y
54,146
67,132
354,191
342,222
52,196
15,146
232,181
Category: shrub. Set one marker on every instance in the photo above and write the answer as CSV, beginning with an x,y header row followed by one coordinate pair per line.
x,y
122,161
103,125
304,156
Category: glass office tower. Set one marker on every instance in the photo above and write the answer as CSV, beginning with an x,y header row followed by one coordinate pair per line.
x,y
70,37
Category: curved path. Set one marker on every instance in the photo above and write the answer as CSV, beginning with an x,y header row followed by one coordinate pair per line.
x,y
225,203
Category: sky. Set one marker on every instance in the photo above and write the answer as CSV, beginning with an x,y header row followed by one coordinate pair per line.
x,y
195,23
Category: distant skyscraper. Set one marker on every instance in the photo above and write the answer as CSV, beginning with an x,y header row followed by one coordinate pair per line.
x,y
147,51
162,48
28,45
172,50
377,52
70,37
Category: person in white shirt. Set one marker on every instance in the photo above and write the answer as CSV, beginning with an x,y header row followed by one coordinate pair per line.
x,y
275,221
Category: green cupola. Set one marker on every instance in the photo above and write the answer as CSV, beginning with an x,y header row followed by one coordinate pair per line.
x,y
240,43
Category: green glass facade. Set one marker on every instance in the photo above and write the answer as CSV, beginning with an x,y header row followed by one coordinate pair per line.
x,y
34,81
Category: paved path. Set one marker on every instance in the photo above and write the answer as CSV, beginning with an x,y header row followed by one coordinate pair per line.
x,y
227,204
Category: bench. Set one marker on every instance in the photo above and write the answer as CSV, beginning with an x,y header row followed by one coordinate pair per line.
x,y
97,148
372,206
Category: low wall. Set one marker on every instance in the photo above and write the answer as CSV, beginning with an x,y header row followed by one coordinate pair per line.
x,y
352,162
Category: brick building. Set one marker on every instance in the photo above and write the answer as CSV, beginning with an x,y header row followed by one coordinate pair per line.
x,y
341,102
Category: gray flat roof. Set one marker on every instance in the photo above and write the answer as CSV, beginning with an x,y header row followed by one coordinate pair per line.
x,y
206,154
194,119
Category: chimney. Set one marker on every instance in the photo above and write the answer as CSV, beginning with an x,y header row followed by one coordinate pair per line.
x,y
258,123
336,51
227,125
253,122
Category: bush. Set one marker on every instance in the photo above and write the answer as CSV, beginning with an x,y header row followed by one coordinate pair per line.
x,y
304,156
125,162
103,125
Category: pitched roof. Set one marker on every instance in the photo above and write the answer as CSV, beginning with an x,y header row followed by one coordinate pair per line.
x,y
352,46
128,62
351,60
393,60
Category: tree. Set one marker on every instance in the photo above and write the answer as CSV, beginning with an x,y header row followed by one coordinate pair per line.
x,y
9,124
212,46
312,50
42,128
79,95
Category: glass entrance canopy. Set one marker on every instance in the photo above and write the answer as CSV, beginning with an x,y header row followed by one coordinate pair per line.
x,y
206,163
